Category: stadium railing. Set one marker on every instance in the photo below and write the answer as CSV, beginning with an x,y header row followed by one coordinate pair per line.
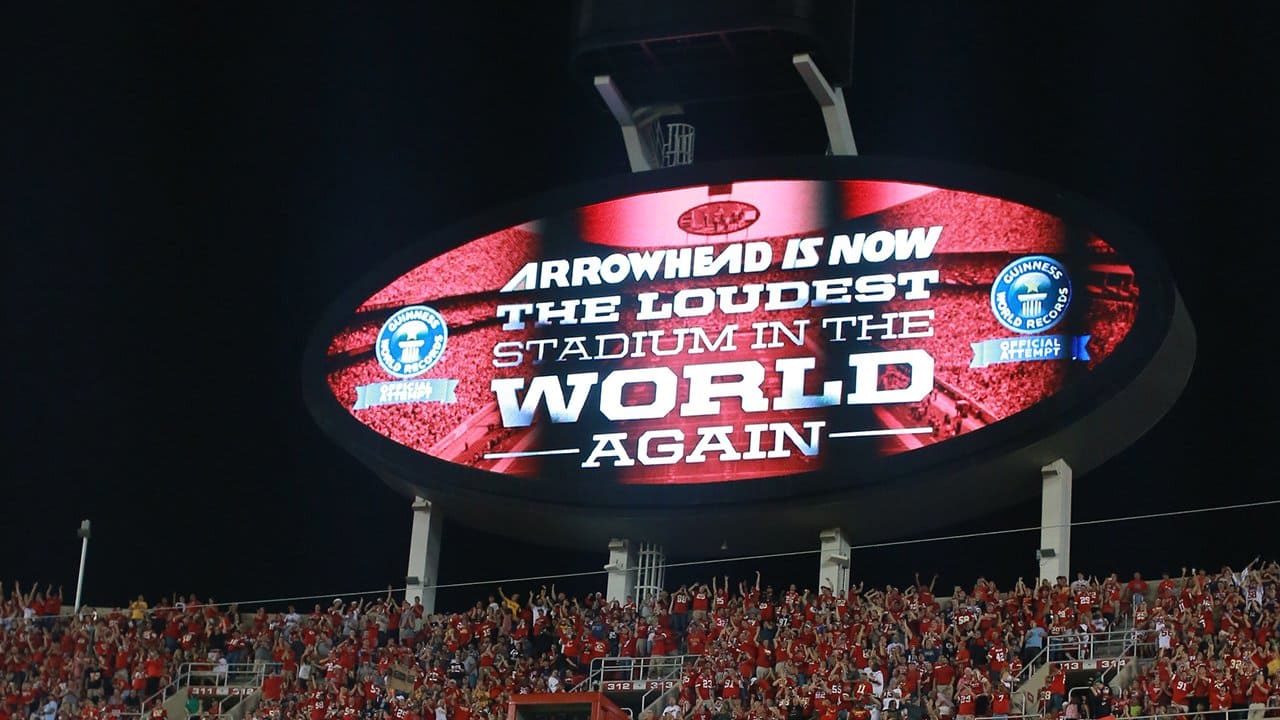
x,y
644,673
1234,714
1094,645
228,682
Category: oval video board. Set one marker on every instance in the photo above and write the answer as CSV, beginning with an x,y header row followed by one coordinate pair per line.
x,y
833,323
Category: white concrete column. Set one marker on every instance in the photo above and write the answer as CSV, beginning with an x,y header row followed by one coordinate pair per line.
x,y
621,569
651,571
831,99
1054,553
424,554
833,561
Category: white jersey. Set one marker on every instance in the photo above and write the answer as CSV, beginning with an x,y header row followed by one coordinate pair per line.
x,y
1164,636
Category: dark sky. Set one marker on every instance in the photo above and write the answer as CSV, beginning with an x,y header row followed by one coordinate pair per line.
x,y
189,184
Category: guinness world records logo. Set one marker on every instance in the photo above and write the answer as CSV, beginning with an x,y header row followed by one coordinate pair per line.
x,y
1031,294
411,341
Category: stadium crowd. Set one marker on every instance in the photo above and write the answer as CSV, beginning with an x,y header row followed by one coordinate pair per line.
x,y
751,652
483,265
1215,640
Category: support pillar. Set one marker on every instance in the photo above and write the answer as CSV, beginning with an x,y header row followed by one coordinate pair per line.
x,y
833,561
636,125
621,570
651,571
835,114
424,555
1054,554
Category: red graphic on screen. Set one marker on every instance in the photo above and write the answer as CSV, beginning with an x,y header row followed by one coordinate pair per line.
x,y
803,326
718,218
651,219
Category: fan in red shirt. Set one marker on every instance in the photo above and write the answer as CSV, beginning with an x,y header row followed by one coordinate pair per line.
x,y
862,689
570,648
318,706
696,639
1179,691
731,686
701,601
600,648
1220,695
1001,701
1057,685
1201,685
943,672
1259,690
661,642
830,710
707,685
1136,587
966,703
271,687
997,658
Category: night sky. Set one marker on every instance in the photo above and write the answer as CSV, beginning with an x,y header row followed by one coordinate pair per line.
x,y
190,184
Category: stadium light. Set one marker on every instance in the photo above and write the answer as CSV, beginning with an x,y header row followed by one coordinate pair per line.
x,y
83,534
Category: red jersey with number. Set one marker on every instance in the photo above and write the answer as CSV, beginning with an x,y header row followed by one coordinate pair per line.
x,y
1179,690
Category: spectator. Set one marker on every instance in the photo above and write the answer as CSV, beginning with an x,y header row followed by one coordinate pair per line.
x,y
1033,642
138,609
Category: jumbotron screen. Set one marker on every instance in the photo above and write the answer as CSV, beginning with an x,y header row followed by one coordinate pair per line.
x,y
724,333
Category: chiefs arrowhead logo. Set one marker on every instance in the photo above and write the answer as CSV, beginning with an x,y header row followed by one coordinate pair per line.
x,y
718,218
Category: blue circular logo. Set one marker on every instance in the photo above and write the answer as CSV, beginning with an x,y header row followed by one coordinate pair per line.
x,y
1031,294
411,341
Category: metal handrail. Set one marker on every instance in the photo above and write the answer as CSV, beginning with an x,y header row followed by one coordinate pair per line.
x,y
661,690
1132,653
632,669
1122,716
651,706
1088,646
1028,669
188,671
255,671
234,705
1128,652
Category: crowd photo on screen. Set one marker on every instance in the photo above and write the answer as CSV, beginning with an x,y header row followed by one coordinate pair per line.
x,y
1195,643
